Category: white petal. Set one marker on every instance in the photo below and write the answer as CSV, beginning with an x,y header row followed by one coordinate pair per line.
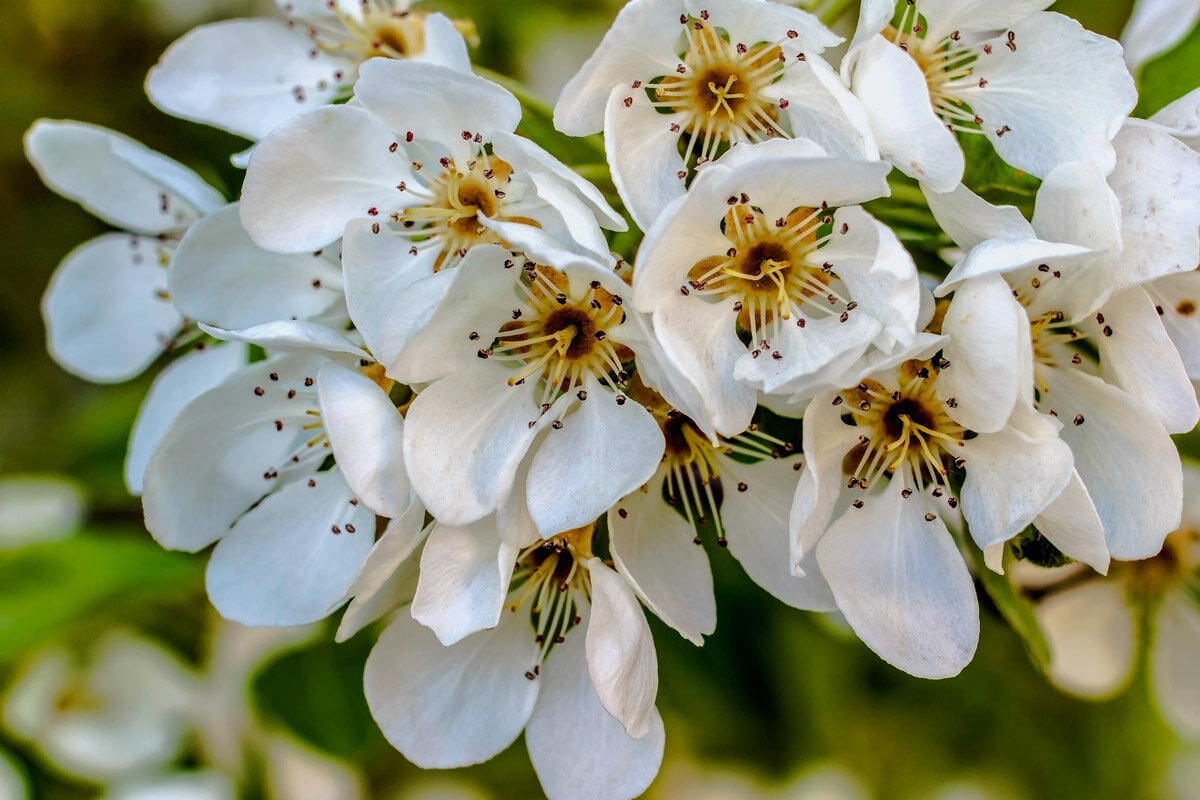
x,y
1137,355
290,560
1155,27
388,578
525,156
799,31
1072,525
435,103
463,439
620,652
1032,94
294,336
451,706
612,766
1179,298
827,440
444,44
1157,180
821,108
231,430
946,16
1091,635
221,277
1002,256
1127,461
756,523
367,434
970,220
119,180
643,154
244,75
316,172
464,580
607,448
652,548
902,584
892,89
1012,475
1175,656
380,270
700,340
107,313
179,384
640,45
986,329
1182,118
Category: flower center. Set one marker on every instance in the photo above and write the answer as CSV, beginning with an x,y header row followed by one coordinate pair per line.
x,y
561,338
946,65
721,88
770,270
386,28
905,428
450,219
548,582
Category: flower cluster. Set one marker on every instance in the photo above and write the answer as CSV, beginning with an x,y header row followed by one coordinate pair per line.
x,y
411,372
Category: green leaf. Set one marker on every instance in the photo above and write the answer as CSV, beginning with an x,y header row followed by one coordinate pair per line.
x,y
317,693
48,587
1016,610
1165,78
994,180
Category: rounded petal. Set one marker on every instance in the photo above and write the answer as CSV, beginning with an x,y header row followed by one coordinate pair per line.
x,y
620,652
1091,634
316,172
652,547
892,89
826,442
1182,118
367,435
1178,297
444,44
970,220
643,154
291,559
121,181
244,75
388,578
986,329
218,275
1072,525
1137,354
294,336
1173,661
1155,27
436,103
1127,461
464,580
180,383
755,518
902,584
613,766
1029,98
107,312
451,706
606,449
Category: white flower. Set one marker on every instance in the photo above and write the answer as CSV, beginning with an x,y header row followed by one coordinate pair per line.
x,y
249,75
120,709
571,653
711,74
1155,27
767,277
108,312
245,463
1075,274
1093,625
941,69
657,548
876,485
423,167
526,359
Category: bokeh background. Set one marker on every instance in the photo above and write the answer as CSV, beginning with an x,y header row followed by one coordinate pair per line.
x,y
777,703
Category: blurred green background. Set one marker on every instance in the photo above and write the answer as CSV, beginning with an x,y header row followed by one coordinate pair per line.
x,y
772,694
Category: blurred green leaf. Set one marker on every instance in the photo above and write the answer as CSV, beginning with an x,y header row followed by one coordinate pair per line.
x,y
47,587
317,694
990,177
1166,78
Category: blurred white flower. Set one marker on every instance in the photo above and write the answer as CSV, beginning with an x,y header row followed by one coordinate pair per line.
x,y
1155,27
39,508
